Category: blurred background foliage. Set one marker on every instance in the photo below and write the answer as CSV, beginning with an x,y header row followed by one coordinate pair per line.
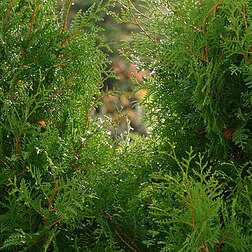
x,y
120,102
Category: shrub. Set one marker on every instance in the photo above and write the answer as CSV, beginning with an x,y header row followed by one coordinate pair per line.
x,y
198,56
51,75
199,94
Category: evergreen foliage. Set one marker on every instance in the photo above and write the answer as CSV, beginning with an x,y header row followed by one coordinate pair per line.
x,y
66,185
50,81
199,95
198,55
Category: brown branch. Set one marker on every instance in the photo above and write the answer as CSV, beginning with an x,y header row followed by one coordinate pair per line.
x,y
31,30
21,173
114,223
214,7
218,245
246,57
77,152
69,3
202,5
69,38
42,215
206,249
17,142
33,18
192,26
206,51
50,199
7,166
125,242
244,17
189,207
197,29
202,30
84,167
194,53
57,221
137,23
8,13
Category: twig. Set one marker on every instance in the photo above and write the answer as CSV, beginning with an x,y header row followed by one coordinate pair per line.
x,y
194,53
31,29
50,199
33,18
57,221
7,166
125,242
21,173
136,248
206,51
206,249
202,5
68,38
189,207
8,12
218,245
214,7
42,215
77,152
246,57
140,26
202,30
69,3
244,18
17,142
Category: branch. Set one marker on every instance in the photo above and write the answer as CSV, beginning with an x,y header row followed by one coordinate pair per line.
x,y
125,242
57,221
218,245
8,12
21,173
202,5
77,152
244,18
214,7
33,18
42,215
189,207
69,3
31,29
17,142
194,53
50,199
206,249
113,222
140,26
246,57
204,19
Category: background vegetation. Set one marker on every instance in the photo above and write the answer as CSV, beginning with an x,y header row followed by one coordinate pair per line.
x,y
67,185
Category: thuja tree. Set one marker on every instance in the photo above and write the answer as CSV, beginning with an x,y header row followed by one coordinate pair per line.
x,y
200,72
50,76
198,54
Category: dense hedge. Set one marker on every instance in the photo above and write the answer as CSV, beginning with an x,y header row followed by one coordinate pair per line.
x,y
66,185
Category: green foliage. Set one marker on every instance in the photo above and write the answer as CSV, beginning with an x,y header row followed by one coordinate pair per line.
x,y
51,75
66,185
199,95
193,211
198,55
